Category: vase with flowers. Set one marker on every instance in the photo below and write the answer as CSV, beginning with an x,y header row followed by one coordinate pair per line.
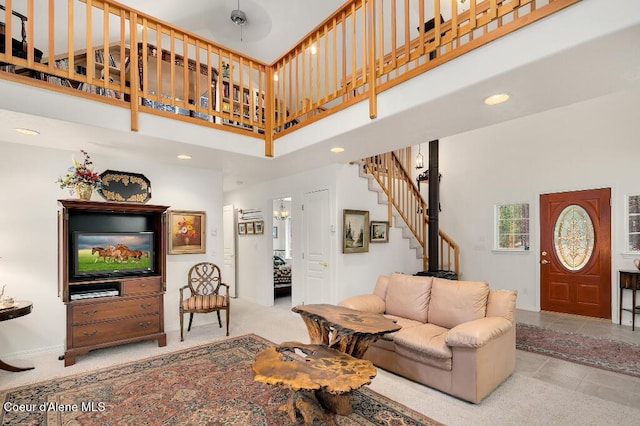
x,y
81,178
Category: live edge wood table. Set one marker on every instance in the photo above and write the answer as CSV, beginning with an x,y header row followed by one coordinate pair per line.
x,y
347,330
21,309
321,379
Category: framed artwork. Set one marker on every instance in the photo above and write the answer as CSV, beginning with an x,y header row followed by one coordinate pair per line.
x,y
379,231
242,228
187,231
250,228
275,232
355,231
259,227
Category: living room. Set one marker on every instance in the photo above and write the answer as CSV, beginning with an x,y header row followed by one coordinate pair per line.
x,y
588,144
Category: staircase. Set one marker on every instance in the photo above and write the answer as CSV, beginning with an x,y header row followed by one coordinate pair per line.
x,y
395,187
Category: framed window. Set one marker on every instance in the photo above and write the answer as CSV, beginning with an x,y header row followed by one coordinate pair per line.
x,y
633,224
512,227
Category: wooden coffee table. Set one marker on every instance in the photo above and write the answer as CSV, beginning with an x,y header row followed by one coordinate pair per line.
x,y
21,309
321,381
347,330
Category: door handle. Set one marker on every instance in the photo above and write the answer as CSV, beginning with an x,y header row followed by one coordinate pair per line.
x,y
544,261
325,264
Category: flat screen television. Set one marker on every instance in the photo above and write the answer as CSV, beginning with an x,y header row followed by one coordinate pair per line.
x,y
112,254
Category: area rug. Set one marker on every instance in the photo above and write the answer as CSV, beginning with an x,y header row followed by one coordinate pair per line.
x,y
206,385
596,352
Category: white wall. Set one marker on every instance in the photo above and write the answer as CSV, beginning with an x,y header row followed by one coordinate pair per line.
x,y
587,145
28,235
350,273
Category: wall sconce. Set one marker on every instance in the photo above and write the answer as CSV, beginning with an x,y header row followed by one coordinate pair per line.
x,y
419,159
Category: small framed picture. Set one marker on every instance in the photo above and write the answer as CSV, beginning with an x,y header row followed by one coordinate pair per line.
x,y
379,232
250,228
259,227
242,228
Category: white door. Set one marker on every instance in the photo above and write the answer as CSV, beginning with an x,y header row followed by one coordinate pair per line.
x,y
229,267
316,247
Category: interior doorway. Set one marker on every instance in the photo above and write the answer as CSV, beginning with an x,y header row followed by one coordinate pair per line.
x,y
282,258
575,252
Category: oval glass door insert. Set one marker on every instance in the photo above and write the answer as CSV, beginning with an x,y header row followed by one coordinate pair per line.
x,y
573,237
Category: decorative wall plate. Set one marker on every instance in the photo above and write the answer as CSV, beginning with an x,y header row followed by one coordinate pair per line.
x,y
125,186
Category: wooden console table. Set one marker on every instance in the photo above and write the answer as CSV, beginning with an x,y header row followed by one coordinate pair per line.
x,y
629,280
21,309
321,383
347,330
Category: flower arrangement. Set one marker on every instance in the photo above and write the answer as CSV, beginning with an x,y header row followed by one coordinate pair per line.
x,y
80,173
186,229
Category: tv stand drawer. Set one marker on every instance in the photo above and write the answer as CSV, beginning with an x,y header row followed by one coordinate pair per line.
x,y
82,313
142,285
113,331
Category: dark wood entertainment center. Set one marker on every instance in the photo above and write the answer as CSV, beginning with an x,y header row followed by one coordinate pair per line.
x,y
123,309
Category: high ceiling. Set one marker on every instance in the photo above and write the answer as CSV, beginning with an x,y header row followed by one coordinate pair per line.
x,y
272,26
581,63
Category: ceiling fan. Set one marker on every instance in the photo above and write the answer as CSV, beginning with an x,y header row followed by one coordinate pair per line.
x,y
239,18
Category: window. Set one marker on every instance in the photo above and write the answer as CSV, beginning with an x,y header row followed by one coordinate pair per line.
x,y
633,224
512,227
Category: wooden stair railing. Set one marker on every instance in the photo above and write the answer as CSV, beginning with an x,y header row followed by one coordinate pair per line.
x,y
391,171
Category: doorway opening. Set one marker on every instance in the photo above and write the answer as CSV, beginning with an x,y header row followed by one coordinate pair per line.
x,y
282,259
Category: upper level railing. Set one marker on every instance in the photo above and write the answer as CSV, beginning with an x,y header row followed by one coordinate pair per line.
x,y
109,52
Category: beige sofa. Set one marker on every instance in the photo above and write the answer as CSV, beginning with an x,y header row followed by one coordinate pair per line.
x,y
457,336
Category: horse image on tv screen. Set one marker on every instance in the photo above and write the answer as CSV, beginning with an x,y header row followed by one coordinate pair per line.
x,y
113,253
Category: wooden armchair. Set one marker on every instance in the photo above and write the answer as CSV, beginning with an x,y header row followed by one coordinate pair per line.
x,y
204,284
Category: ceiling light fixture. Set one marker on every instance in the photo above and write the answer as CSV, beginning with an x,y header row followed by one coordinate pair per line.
x,y
282,213
419,159
184,157
497,99
29,132
337,149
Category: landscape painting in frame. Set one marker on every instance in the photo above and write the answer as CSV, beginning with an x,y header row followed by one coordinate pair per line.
x,y
379,232
355,231
187,232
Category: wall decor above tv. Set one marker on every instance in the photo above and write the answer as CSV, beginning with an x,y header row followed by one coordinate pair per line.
x,y
125,186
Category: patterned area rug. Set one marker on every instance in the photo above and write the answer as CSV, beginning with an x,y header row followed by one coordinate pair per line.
x,y
206,385
596,352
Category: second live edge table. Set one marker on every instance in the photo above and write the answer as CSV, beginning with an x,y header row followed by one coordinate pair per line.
x,y
347,330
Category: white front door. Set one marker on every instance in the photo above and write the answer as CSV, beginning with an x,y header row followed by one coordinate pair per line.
x,y
229,237
316,247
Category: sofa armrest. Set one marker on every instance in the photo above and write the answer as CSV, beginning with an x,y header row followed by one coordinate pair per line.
x,y
365,302
477,333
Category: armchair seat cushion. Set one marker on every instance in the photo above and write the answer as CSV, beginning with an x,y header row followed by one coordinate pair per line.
x,y
204,302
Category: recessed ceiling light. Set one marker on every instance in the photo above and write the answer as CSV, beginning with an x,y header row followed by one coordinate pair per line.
x,y
497,99
184,157
27,131
337,149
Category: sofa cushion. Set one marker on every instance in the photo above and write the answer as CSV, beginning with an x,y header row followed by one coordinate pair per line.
x,y
454,302
424,343
364,302
403,322
502,303
381,286
408,296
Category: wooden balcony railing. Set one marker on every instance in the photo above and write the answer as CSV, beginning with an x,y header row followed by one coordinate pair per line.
x,y
103,50
391,171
